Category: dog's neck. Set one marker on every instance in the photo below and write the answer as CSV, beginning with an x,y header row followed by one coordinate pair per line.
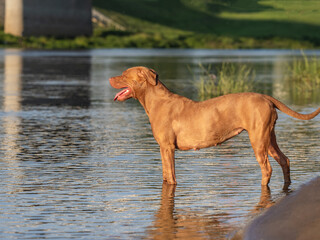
x,y
153,95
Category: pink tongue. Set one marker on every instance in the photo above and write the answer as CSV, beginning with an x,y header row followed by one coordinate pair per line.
x,y
120,93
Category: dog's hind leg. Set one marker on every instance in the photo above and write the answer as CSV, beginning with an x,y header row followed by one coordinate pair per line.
x,y
275,152
260,143
266,170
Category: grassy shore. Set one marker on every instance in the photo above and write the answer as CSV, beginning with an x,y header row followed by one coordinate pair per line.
x,y
228,24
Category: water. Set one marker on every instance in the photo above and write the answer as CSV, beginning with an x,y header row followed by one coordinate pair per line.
x,y
76,165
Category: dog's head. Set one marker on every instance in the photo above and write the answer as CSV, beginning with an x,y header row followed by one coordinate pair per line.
x,y
133,81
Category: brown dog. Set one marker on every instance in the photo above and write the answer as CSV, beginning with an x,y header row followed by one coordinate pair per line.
x,y
180,123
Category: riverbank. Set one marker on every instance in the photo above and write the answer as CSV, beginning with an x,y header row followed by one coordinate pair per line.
x,y
296,216
213,24
104,38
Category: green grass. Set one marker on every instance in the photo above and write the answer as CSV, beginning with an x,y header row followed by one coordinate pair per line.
x,y
229,78
302,80
227,24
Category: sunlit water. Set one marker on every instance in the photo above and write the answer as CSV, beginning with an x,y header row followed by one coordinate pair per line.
x,y
76,165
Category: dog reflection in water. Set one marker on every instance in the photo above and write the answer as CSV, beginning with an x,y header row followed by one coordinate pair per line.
x,y
172,223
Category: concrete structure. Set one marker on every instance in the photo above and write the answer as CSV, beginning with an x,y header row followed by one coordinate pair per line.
x,y
65,18
101,20
2,12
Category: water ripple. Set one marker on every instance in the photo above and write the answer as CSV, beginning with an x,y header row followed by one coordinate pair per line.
x,y
75,165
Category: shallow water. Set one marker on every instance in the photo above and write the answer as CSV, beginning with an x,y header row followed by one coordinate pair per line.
x,y
74,164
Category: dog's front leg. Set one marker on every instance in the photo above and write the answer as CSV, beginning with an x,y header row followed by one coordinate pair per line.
x,y
168,168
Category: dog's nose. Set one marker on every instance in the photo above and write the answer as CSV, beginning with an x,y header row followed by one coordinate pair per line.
x,y
113,82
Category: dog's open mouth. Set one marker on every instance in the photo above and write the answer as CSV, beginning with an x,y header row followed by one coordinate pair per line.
x,y
123,94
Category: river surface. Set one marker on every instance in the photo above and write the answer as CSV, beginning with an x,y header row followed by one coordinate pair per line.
x,y
76,165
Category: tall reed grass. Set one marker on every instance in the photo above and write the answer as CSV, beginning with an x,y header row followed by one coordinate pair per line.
x,y
229,78
303,79
303,75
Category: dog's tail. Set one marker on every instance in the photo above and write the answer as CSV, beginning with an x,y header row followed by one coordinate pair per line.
x,y
283,108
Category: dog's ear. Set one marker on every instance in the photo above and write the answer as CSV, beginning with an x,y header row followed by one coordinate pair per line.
x,y
153,79
150,75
